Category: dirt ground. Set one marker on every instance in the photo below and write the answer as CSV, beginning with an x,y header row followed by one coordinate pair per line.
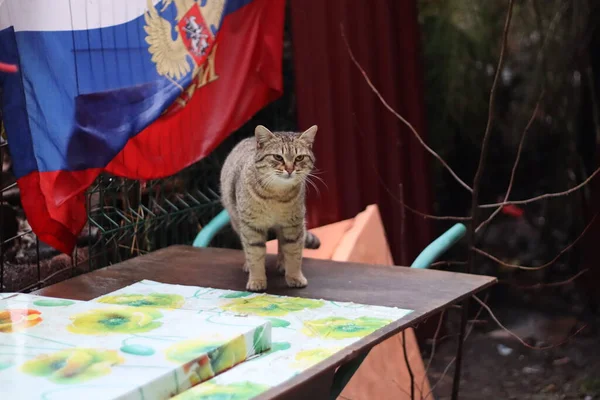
x,y
498,367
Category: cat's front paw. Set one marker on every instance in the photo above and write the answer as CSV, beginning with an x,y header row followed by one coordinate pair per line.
x,y
296,281
256,285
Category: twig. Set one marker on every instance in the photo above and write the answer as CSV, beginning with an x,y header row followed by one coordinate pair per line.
x,y
433,344
41,283
544,196
563,251
403,255
401,200
400,388
551,284
447,263
488,129
410,372
475,198
397,115
436,217
516,163
454,358
489,310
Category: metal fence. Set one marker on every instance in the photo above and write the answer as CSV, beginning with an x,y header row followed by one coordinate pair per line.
x,y
125,218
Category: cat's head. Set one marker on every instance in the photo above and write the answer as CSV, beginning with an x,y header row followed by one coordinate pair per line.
x,y
284,158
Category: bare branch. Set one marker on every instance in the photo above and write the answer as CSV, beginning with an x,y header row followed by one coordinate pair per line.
x,y
516,163
544,196
489,310
454,358
447,263
401,200
435,337
552,284
410,371
563,251
397,115
436,217
486,137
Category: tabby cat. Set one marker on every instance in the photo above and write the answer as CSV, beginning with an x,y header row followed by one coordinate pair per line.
x,y
263,183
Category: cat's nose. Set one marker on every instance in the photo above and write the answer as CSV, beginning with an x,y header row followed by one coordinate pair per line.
x,y
289,169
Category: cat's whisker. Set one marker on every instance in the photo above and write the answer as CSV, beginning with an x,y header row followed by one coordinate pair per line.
x,y
311,183
319,178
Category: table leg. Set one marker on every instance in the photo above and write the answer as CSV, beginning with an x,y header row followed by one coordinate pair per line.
x,y
459,349
344,374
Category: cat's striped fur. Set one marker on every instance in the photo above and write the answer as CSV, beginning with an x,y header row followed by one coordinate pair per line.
x,y
263,183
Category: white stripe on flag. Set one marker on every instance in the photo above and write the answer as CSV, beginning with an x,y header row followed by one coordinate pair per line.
x,y
67,15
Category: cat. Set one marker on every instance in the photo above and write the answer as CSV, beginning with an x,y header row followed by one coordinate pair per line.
x,y
263,185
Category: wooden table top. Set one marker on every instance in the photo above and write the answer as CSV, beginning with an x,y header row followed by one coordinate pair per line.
x,y
424,291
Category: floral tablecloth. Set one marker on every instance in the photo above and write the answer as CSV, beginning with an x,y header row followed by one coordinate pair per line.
x,y
142,348
305,331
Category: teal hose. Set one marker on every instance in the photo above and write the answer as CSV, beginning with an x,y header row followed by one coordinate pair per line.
x,y
439,246
209,231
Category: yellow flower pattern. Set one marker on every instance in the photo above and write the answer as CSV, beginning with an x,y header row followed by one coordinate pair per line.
x,y
304,331
154,300
115,320
233,391
73,365
270,306
343,328
307,358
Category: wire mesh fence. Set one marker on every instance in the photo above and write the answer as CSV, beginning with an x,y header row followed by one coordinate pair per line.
x,y
126,218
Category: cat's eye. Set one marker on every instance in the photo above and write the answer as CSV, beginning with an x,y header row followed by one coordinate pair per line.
x,y
277,157
299,158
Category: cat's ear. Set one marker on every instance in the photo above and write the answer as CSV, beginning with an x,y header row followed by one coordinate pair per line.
x,y
309,135
262,135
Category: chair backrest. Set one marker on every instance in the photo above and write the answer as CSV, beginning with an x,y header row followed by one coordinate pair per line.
x,y
439,246
208,232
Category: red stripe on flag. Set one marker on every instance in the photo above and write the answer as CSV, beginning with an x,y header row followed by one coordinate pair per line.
x,y
248,65
57,226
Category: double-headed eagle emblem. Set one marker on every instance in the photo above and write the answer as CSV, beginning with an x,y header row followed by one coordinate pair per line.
x,y
193,35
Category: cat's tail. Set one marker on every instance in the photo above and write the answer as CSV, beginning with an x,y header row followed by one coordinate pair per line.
x,y
311,241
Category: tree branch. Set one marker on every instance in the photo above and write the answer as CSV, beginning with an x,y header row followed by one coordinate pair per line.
x,y
435,217
435,337
489,310
543,196
401,200
487,134
410,372
551,284
516,163
397,115
454,358
447,263
563,251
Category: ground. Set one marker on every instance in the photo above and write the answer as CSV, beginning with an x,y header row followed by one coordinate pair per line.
x,y
498,367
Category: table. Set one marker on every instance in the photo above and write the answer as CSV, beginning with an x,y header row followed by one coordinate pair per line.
x,y
424,291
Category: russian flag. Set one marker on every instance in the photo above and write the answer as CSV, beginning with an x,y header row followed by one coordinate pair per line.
x,y
138,88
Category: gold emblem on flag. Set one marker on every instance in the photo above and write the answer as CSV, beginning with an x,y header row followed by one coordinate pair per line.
x,y
194,38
